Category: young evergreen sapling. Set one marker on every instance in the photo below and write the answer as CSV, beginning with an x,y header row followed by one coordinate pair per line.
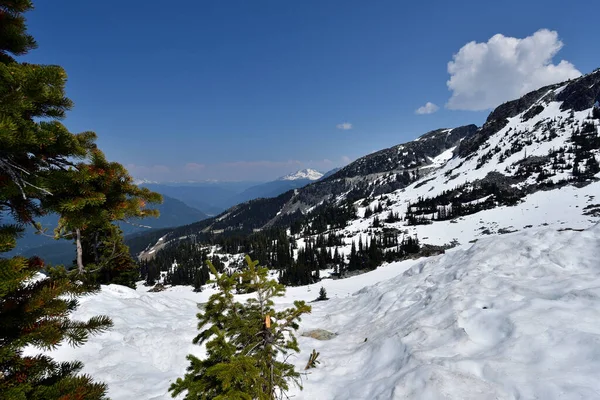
x,y
322,294
247,344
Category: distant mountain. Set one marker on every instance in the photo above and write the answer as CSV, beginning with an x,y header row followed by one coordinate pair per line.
x,y
274,188
173,213
140,182
212,198
303,174
329,173
209,197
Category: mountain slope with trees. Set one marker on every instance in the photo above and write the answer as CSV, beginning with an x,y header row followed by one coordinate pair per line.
x,y
446,187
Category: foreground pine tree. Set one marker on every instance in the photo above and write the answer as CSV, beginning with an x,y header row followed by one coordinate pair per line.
x,y
247,344
34,311
38,155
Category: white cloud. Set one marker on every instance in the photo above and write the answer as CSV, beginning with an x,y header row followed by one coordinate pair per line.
x,y
345,126
484,75
428,108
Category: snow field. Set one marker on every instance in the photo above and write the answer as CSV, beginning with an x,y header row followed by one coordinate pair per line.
x,y
511,317
514,316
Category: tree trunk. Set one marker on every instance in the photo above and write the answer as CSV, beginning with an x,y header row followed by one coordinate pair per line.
x,y
79,251
96,256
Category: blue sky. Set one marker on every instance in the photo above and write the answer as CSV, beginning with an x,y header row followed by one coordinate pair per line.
x,y
252,89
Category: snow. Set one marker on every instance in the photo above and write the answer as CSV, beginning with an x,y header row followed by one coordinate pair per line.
x,y
442,158
510,317
308,173
139,182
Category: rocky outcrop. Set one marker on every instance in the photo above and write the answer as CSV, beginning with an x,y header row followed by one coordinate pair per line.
x,y
577,95
319,334
408,155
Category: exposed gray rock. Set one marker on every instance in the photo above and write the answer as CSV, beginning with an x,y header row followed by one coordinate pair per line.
x,y
319,334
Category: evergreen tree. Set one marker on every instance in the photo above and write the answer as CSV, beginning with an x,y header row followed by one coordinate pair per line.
x,y
36,150
35,312
596,111
592,166
14,38
353,259
322,294
243,341
91,198
374,254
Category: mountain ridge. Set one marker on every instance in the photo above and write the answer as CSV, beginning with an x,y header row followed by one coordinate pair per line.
x,y
545,140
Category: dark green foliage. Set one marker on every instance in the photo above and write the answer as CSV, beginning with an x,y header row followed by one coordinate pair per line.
x,y
596,111
42,165
182,264
392,217
467,199
592,166
585,141
91,198
13,35
36,313
322,294
243,341
379,248
273,245
34,147
376,222
327,216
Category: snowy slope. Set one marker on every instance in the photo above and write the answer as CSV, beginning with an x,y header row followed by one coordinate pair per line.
x,y
510,317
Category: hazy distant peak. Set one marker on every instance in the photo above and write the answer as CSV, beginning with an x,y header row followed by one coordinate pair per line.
x,y
307,173
142,181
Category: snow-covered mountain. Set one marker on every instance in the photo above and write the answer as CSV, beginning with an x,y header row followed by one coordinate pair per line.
x,y
143,182
308,173
531,156
274,188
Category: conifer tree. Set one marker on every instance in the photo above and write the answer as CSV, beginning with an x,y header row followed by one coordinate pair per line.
x,y
35,150
13,36
35,312
243,341
322,294
90,198
596,110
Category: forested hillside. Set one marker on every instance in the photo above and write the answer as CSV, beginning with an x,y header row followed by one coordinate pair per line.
x,y
386,205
